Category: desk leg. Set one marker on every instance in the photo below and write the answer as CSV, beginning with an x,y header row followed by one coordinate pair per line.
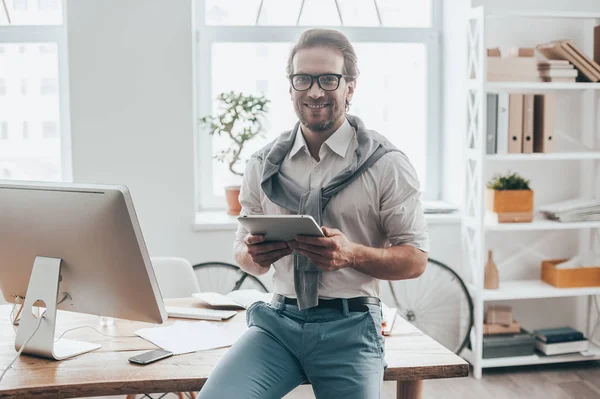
x,y
409,389
130,396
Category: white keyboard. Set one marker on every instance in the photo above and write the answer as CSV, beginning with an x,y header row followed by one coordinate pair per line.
x,y
199,313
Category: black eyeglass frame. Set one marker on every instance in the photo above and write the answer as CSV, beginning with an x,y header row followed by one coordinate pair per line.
x,y
316,78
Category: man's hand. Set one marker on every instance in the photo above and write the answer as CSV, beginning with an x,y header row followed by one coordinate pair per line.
x,y
265,253
329,253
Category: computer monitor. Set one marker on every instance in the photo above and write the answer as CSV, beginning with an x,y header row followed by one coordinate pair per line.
x,y
76,247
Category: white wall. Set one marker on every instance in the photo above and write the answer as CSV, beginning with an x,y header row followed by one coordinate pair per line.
x,y
131,114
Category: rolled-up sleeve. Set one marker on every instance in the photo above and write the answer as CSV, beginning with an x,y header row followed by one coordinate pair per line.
x,y
249,195
401,212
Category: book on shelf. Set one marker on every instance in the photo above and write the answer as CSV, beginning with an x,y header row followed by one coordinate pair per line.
x,y
565,50
573,210
562,348
558,334
597,44
438,207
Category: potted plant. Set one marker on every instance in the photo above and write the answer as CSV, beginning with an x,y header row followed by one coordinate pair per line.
x,y
510,197
239,117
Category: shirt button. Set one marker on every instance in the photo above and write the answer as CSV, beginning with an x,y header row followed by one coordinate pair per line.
x,y
317,169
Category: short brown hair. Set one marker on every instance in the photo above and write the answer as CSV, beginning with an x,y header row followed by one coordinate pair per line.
x,y
327,38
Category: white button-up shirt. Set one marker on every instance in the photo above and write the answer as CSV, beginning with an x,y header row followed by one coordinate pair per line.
x,y
380,208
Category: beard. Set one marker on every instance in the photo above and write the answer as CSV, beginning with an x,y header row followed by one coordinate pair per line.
x,y
326,121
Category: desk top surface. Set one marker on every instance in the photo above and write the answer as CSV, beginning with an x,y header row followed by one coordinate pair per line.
x,y
410,354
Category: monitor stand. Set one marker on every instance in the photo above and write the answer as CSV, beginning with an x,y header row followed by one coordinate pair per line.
x,y
43,285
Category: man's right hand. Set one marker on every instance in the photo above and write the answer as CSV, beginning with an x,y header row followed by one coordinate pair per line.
x,y
266,253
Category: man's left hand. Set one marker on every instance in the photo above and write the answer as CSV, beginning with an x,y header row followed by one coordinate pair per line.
x,y
329,253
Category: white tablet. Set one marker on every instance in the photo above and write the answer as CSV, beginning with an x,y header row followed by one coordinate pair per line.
x,y
281,227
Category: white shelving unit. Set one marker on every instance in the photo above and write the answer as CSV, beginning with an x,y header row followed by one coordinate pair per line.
x,y
475,225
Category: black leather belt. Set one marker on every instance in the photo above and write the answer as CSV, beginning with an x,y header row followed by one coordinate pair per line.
x,y
356,304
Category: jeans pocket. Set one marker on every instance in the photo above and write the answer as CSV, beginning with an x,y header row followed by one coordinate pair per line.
x,y
376,319
249,312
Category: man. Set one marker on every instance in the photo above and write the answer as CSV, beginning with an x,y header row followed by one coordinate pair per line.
x,y
324,322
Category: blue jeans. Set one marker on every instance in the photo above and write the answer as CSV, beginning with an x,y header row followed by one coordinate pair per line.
x,y
341,353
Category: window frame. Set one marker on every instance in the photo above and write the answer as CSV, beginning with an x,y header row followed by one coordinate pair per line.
x,y
57,34
206,35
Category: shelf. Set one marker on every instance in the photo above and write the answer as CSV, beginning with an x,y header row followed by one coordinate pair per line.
x,y
533,289
535,87
540,224
534,359
557,156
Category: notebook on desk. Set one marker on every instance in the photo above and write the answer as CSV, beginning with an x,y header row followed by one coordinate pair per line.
x,y
199,313
239,299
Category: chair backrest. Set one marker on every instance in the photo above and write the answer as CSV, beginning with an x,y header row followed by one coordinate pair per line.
x,y
175,276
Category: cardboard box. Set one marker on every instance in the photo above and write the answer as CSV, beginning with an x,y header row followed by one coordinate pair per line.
x,y
569,278
499,314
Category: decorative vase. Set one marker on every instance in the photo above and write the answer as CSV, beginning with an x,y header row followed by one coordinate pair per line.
x,y
232,194
491,278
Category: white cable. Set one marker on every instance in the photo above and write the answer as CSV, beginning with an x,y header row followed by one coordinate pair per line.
x,y
24,344
106,335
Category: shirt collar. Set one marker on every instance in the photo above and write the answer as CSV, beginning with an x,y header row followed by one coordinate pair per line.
x,y
341,138
338,142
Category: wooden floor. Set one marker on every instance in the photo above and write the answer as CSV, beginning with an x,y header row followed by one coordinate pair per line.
x,y
555,381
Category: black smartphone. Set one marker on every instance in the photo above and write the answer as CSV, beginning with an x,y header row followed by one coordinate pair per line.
x,y
149,357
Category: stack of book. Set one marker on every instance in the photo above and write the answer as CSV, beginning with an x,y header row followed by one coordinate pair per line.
x,y
557,71
574,210
558,341
589,70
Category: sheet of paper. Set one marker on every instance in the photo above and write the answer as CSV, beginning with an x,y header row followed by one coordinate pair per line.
x,y
191,337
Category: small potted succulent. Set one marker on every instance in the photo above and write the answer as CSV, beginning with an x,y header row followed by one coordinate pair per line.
x,y
510,197
240,117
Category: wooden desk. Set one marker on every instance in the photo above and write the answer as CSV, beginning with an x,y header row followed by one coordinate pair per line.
x,y
411,355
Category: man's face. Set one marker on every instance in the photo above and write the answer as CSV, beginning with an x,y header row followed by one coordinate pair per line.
x,y
317,109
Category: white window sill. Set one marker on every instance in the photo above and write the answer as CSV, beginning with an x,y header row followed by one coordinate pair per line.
x,y
219,220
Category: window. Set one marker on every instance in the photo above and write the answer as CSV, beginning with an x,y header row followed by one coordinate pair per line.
x,y
34,53
50,130
2,87
243,46
3,130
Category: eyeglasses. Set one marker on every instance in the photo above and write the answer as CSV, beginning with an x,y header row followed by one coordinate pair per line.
x,y
326,81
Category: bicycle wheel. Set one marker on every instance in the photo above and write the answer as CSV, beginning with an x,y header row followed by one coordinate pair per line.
x,y
437,303
224,277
